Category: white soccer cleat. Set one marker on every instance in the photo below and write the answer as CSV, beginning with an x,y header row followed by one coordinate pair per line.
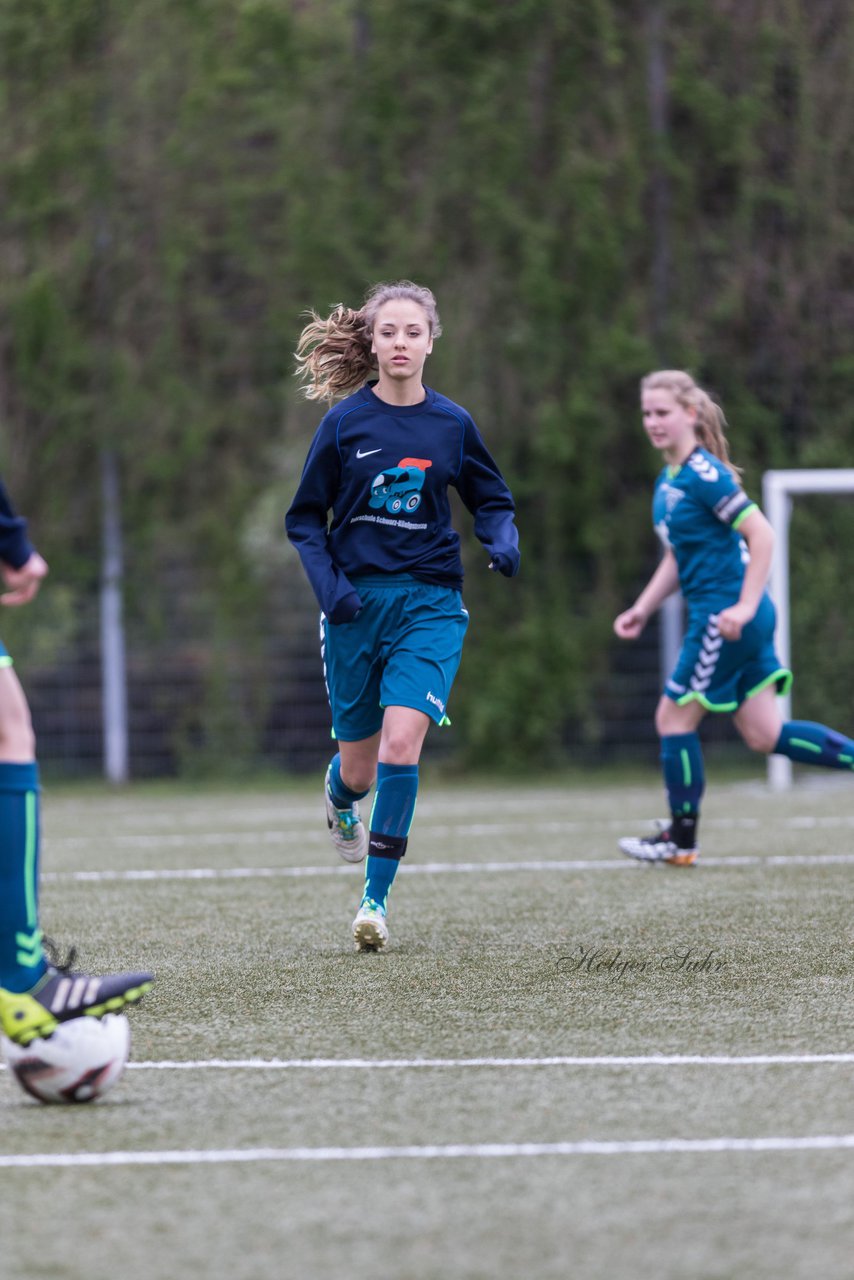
x,y
370,929
346,828
659,847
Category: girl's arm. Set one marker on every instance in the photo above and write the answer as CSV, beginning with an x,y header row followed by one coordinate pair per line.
x,y
759,536
662,584
15,548
307,522
484,491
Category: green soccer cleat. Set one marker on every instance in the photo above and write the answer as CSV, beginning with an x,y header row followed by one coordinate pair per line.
x,y
61,995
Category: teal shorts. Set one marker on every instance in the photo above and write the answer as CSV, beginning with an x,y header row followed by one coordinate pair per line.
x,y
5,660
403,650
722,674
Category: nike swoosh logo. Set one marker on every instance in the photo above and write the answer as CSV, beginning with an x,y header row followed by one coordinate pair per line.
x,y
367,453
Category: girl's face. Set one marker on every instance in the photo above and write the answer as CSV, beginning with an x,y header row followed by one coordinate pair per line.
x,y
668,424
401,340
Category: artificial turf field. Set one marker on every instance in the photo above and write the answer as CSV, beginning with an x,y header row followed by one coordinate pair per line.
x,y
566,1064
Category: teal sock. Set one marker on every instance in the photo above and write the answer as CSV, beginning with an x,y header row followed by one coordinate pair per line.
x,y
391,819
22,960
810,743
342,796
684,775
685,782
379,874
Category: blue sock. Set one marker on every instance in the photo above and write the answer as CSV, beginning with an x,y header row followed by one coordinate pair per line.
x,y
810,743
342,796
22,960
685,782
391,818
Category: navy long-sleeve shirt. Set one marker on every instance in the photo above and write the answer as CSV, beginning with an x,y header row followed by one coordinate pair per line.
x,y
384,471
15,547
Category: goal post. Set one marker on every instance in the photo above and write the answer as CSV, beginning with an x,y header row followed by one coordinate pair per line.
x,y
779,488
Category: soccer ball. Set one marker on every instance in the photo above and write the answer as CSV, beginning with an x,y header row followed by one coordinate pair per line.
x,y
79,1062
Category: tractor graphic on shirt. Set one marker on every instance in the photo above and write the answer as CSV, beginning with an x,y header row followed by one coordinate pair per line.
x,y
399,488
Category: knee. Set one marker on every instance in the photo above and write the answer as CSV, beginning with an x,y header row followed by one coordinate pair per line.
x,y
359,778
759,737
365,781
671,719
17,738
400,748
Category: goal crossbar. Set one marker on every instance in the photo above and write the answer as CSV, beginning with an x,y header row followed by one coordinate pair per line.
x,y
778,490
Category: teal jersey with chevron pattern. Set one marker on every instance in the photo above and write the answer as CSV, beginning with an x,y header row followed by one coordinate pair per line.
x,y
696,510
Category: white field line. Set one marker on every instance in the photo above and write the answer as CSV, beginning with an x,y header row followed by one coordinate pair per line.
x,y
316,834
408,1064
437,868
457,1064
455,1151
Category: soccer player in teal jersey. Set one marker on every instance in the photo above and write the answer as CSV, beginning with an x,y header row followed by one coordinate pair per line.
x,y
386,568
35,995
717,549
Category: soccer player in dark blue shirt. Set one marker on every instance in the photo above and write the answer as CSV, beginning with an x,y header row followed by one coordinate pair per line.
x,y
35,995
386,567
717,549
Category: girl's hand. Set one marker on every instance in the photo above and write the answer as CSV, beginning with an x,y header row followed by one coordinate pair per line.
x,y
732,621
506,562
630,624
23,582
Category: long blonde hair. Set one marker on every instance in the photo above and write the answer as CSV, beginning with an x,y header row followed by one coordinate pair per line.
x,y
334,355
711,424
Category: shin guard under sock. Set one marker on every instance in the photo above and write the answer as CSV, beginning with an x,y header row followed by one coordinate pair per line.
x,y
810,743
684,781
391,819
22,961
